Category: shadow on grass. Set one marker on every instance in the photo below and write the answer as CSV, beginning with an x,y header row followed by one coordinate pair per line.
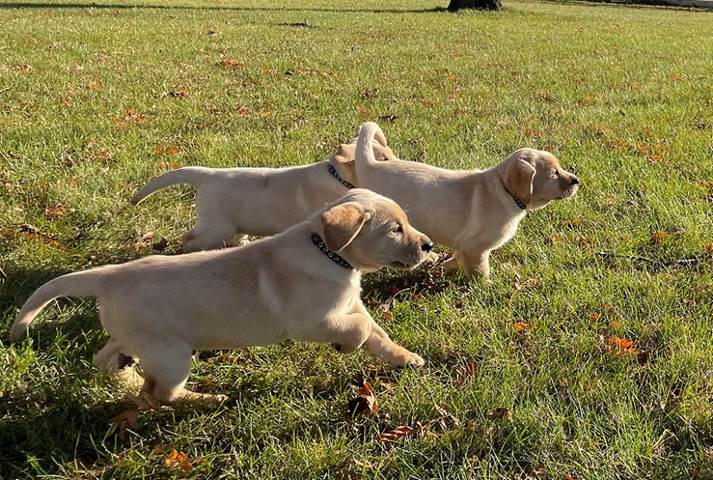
x,y
219,8
17,288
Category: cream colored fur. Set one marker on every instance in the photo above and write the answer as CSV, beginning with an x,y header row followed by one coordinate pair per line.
x,y
160,308
232,203
470,211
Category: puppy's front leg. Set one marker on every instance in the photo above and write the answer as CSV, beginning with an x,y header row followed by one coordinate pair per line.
x,y
380,345
475,264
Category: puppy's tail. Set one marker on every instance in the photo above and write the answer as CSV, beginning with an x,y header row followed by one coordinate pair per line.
x,y
77,284
368,132
190,175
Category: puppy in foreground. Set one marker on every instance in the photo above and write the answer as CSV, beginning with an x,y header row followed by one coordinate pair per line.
x,y
303,284
232,203
473,212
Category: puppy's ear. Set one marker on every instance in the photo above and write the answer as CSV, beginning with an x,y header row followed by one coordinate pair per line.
x,y
340,224
518,178
345,153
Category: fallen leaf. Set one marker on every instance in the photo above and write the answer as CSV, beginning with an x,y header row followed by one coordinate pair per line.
x,y
23,68
59,210
230,63
465,371
166,150
595,316
446,416
499,413
177,459
121,423
709,247
658,237
471,425
396,434
521,327
530,282
622,345
179,92
131,117
363,400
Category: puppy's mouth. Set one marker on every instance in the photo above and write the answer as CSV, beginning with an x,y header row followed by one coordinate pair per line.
x,y
569,193
404,266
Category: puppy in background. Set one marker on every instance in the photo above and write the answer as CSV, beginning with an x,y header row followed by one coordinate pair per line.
x,y
232,203
473,212
303,283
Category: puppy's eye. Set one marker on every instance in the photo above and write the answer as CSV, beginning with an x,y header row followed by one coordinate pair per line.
x,y
397,229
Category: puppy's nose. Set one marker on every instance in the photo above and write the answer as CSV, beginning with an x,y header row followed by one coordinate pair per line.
x,y
427,246
574,180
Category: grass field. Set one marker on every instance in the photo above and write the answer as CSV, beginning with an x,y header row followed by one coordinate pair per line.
x,y
97,97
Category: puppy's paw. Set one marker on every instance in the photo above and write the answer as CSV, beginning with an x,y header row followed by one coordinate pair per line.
x,y
407,359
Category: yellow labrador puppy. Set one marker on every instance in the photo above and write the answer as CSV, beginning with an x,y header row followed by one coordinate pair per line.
x,y
303,283
471,211
232,203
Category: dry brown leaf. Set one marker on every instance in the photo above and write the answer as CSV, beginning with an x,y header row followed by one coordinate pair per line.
x,y
499,413
396,434
230,63
363,400
23,68
167,150
658,237
464,371
59,210
709,247
530,282
179,92
595,316
121,423
131,117
446,416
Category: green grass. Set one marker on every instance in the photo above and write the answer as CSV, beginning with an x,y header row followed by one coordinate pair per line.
x,y
622,95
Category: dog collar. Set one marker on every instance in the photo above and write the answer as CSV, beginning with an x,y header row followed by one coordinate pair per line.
x,y
317,240
335,174
518,202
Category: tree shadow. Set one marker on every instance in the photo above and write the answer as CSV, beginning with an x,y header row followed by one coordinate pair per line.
x,y
12,5
625,3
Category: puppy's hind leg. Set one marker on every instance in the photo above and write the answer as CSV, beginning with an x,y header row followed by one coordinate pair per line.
x,y
205,237
166,370
110,360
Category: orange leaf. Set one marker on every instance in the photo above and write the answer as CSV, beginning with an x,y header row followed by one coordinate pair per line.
x,y
595,316
709,247
530,282
622,345
521,327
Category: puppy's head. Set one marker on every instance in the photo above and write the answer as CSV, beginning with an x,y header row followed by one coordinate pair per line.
x,y
536,178
371,231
